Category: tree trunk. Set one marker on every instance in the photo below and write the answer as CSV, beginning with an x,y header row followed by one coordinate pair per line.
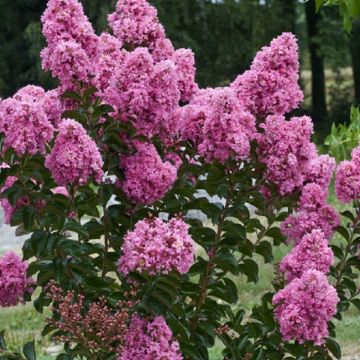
x,y
319,110
355,56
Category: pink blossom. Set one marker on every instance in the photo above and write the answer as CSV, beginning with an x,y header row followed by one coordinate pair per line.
x,y
313,197
9,209
135,23
312,214
227,129
110,55
75,157
53,106
129,85
271,86
162,49
144,92
14,283
156,246
147,177
25,122
348,178
70,63
184,60
320,170
189,122
311,252
304,222
286,149
305,306
72,42
64,20
150,340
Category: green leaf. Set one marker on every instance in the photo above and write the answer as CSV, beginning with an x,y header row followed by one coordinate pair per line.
x,y
349,284
2,340
275,233
29,215
64,357
356,302
334,347
343,232
265,249
74,114
75,226
226,262
29,351
319,3
250,269
71,95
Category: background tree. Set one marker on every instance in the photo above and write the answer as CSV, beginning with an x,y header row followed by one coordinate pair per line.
x,y
355,56
318,88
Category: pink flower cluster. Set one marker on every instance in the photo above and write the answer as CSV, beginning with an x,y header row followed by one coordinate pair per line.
x,y
72,42
147,177
290,157
311,252
216,123
286,150
135,23
75,54
184,60
305,307
150,340
308,301
271,86
226,130
27,119
110,56
14,283
348,178
144,92
156,246
75,157
312,214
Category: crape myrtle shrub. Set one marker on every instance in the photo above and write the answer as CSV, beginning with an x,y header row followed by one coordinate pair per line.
x,y
111,172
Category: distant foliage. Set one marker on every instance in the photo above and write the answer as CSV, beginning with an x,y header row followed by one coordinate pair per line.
x,y
349,9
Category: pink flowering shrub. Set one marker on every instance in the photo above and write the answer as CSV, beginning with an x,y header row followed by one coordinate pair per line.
x,y
148,340
158,247
305,306
149,184
25,121
312,252
286,150
348,178
227,129
14,282
75,157
135,23
145,198
271,86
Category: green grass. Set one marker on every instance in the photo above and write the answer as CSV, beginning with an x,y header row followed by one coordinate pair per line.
x,y
22,324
